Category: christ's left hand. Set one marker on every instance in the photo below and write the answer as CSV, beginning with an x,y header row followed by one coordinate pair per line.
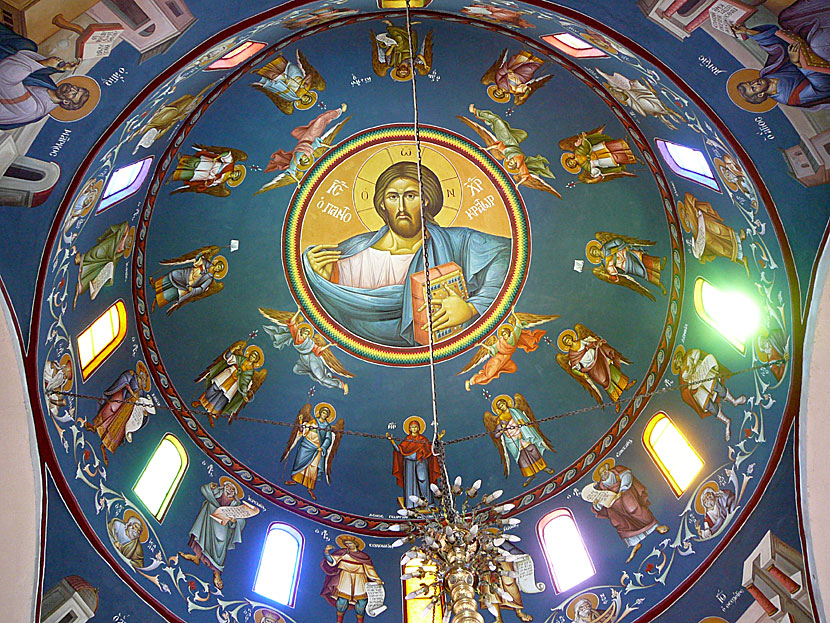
x,y
449,311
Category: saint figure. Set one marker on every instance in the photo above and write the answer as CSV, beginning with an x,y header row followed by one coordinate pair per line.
x,y
414,465
211,170
514,76
716,504
231,381
623,260
348,570
198,278
596,157
641,98
711,236
97,266
316,440
127,535
290,85
57,379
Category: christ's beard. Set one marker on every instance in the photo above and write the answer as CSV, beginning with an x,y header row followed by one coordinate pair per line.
x,y
404,227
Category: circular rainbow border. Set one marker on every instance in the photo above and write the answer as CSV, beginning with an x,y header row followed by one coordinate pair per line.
x,y
390,355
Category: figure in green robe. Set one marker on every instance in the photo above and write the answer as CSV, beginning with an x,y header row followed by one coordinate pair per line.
x,y
114,243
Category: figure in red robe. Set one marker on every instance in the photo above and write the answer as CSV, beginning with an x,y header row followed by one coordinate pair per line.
x,y
414,465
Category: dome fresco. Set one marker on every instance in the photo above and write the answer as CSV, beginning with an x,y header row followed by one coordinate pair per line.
x,y
247,194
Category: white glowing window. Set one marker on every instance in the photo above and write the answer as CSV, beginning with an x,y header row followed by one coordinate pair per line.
x,y
101,338
688,162
573,46
568,559
670,450
162,476
124,182
238,55
279,566
731,314
418,610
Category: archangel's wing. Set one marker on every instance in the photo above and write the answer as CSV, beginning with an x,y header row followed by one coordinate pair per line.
x,y
488,137
491,422
423,64
583,332
208,252
622,280
329,136
381,69
237,154
489,76
213,288
283,179
256,381
521,405
203,375
312,76
303,417
337,429
219,190
271,69
283,104
277,316
606,177
537,183
606,236
569,144
329,358
482,354
532,320
534,86
565,364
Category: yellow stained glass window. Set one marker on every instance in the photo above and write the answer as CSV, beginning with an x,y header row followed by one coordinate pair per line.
x,y
671,451
735,316
161,477
101,338
417,610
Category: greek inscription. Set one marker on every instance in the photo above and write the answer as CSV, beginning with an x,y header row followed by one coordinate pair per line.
x,y
62,140
480,206
708,64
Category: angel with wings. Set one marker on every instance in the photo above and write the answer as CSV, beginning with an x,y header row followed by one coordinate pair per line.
x,y
593,363
496,352
316,440
211,170
312,142
596,157
503,144
314,357
392,50
622,260
290,85
514,431
231,381
514,77
198,276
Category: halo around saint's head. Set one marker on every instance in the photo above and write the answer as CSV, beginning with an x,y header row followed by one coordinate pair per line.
x,y
131,514
747,74
82,82
414,418
67,359
342,538
332,412
223,480
709,486
609,462
590,597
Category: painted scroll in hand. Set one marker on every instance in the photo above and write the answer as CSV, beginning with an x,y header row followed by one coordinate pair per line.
x,y
101,279
526,571
376,594
224,514
596,496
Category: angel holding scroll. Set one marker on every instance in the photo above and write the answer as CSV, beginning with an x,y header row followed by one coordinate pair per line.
x,y
197,277
316,440
496,352
314,357
514,431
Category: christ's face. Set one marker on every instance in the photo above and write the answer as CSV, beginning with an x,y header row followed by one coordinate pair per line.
x,y
402,204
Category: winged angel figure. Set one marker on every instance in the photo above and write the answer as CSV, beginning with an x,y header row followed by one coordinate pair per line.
x,y
515,431
231,380
312,142
314,357
596,157
496,352
290,85
514,77
212,170
391,51
593,363
503,144
622,261
317,441
197,277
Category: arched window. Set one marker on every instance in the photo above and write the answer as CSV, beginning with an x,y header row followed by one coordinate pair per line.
x,y
279,565
124,182
573,45
670,450
564,549
416,610
238,55
158,483
731,314
688,162
100,339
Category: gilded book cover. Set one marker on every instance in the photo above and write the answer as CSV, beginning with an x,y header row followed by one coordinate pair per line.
x,y
442,279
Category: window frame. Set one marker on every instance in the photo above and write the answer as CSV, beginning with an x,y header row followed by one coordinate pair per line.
x,y
298,536
109,200
655,419
540,532
229,59
710,322
167,501
590,52
709,182
98,358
